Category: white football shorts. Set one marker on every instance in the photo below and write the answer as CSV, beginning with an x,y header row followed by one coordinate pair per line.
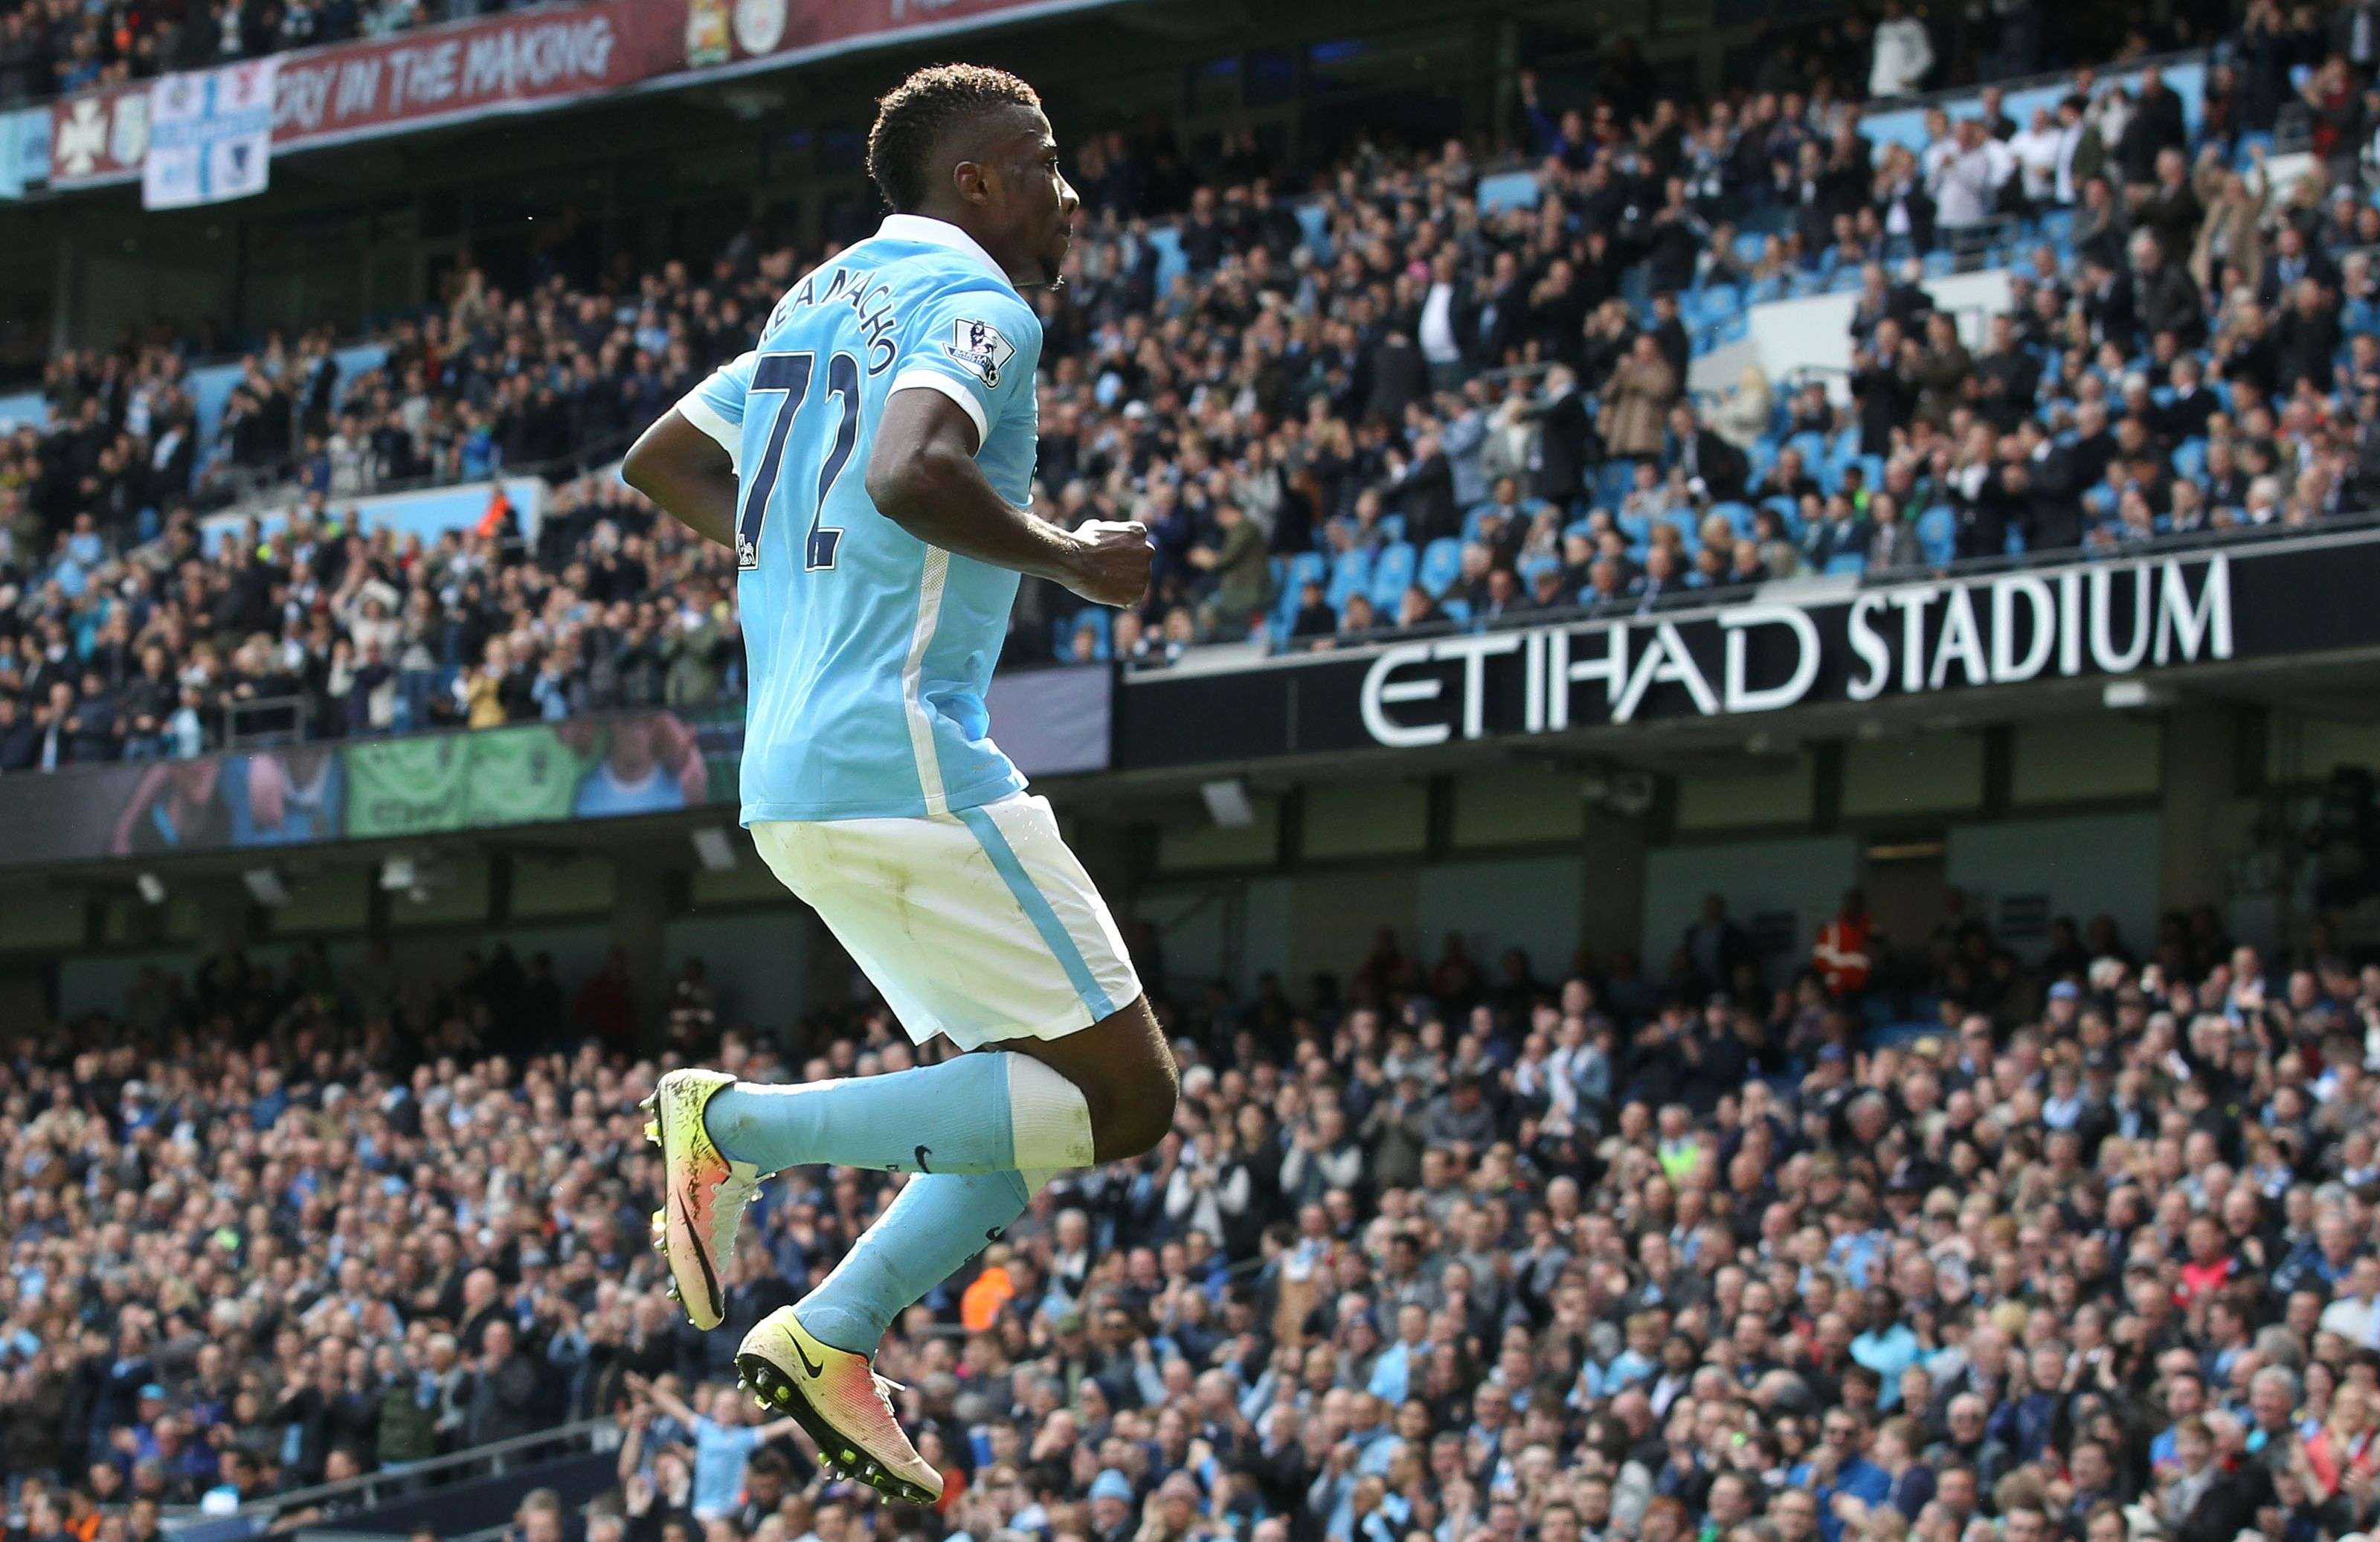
x,y
978,924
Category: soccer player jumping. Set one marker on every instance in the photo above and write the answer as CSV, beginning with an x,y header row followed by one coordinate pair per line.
x,y
869,463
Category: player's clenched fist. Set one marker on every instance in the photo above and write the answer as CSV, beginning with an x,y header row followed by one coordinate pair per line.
x,y
1110,563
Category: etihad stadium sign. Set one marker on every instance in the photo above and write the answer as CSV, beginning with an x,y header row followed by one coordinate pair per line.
x,y
1769,650
1764,658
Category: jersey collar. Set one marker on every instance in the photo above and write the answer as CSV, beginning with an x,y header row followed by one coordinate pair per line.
x,y
938,233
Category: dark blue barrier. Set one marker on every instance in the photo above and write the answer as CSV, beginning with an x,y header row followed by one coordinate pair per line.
x,y
475,1504
219,1529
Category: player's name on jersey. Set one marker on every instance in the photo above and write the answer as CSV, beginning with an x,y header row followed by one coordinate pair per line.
x,y
870,300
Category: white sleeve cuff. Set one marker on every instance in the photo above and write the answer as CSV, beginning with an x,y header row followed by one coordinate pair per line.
x,y
703,416
934,379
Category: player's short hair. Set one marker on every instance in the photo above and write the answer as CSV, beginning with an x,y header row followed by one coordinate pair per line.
x,y
920,111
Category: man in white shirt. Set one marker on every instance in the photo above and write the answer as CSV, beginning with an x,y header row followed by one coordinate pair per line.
x,y
2035,147
1438,348
1903,54
1962,189
1941,143
1997,156
2355,1314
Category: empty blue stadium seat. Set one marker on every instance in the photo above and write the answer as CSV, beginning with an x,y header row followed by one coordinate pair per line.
x,y
1391,571
1284,614
1738,516
1314,223
1441,564
1938,533
1614,481
1351,572
1170,261
1304,568
1456,609
1720,301
2190,457
1846,564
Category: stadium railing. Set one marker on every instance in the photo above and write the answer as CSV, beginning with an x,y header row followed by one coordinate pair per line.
x,y
1801,585
267,488
1895,119
494,1459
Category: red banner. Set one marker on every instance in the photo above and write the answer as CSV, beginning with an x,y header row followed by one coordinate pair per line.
x,y
724,32
518,62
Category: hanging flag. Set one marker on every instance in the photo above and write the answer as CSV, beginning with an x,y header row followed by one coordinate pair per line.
x,y
24,150
210,135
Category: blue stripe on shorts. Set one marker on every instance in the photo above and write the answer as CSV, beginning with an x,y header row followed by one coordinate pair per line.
x,y
1036,910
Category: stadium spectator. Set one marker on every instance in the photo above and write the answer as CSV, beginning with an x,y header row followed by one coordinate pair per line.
x,y
1904,54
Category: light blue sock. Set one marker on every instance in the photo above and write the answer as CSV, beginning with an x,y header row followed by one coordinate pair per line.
x,y
983,1112
935,1225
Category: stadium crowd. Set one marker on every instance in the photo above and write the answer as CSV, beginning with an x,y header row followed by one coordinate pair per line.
x,y
1394,409
325,628
1446,1249
54,47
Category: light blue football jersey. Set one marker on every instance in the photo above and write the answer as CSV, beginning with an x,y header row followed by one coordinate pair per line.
x,y
870,651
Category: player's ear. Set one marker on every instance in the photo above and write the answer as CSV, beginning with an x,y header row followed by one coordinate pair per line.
x,y
972,179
